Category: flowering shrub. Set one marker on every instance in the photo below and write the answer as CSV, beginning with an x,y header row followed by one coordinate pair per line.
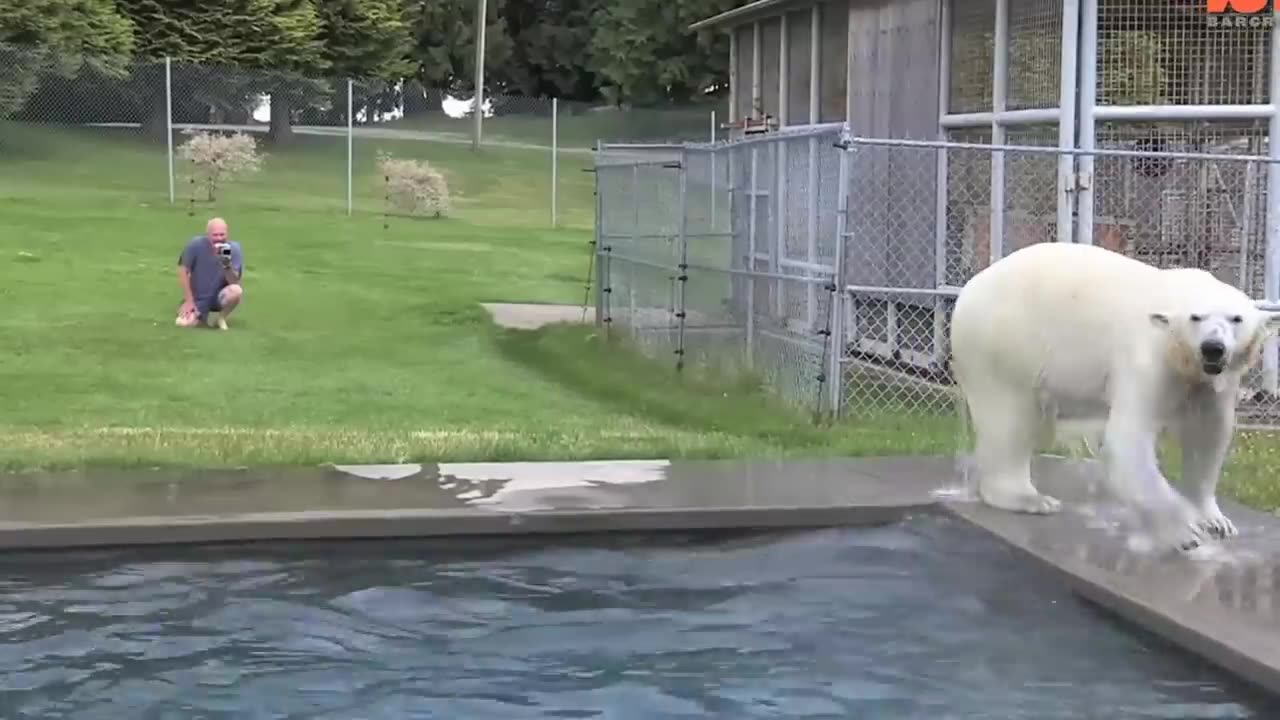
x,y
413,186
216,158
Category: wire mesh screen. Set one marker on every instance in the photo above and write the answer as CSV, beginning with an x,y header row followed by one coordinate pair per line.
x,y
720,257
1168,53
1035,54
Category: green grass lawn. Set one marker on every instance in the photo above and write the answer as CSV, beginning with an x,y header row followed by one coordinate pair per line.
x,y
356,343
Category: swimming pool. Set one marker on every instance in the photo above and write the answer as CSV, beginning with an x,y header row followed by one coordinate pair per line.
x,y
929,618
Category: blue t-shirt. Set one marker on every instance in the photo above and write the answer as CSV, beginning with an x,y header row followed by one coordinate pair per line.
x,y
201,260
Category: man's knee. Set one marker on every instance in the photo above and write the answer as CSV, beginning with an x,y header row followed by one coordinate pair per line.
x,y
230,294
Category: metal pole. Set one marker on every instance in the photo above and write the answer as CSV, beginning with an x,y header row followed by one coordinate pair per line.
x,y
683,277
835,384
1271,263
715,170
350,138
599,230
941,187
757,72
168,121
1088,119
733,76
1067,120
555,157
481,21
784,72
999,88
752,200
815,79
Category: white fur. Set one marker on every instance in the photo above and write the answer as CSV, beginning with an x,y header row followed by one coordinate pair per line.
x,y
1059,334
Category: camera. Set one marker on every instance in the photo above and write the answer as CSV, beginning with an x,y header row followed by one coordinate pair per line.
x,y
224,249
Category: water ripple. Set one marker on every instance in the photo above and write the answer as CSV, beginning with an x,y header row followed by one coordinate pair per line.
x,y
929,619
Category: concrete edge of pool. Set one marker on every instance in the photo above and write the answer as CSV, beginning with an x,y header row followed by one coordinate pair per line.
x,y
1222,608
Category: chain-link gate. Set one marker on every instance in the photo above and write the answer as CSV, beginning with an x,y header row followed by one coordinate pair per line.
x,y
723,256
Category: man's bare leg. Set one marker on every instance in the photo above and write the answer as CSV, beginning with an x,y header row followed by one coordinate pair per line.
x,y
228,299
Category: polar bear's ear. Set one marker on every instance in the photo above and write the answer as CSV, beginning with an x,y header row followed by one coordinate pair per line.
x,y
1160,320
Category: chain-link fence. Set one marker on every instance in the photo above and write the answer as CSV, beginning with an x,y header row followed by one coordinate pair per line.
x,y
330,144
729,256
722,257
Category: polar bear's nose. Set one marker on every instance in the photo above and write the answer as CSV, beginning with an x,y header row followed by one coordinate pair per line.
x,y
1213,350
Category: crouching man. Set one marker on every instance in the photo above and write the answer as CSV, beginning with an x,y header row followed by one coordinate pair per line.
x,y
209,271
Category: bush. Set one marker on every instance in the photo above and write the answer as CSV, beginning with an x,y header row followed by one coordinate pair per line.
x,y
413,186
217,158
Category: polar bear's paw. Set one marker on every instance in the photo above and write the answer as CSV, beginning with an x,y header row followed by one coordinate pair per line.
x,y
1190,539
1215,524
1033,503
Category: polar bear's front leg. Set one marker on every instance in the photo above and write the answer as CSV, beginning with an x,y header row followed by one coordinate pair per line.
x,y
1205,430
1133,470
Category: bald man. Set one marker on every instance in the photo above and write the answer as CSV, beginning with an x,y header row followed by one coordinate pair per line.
x,y
209,271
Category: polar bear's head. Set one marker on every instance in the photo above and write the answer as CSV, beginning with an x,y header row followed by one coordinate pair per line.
x,y
1216,332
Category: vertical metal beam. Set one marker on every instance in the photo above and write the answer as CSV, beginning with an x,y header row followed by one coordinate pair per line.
x,y
1088,121
1271,263
1067,119
999,90
600,229
815,90
682,240
350,139
478,120
940,185
757,71
555,160
753,191
168,121
784,71
835,358
781,157
815,64
733,74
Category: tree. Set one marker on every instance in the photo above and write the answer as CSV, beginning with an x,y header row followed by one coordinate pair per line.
x,y
550,39
444,49
62,37
644,53
278,38
370,41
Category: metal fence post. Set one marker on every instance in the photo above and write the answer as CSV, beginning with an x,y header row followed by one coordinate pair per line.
x,y
1271,260
835,357
1088,121
942,187
682,241
1067,119
753,192
168,122
601,226
999,88
350,139
555,157
715,170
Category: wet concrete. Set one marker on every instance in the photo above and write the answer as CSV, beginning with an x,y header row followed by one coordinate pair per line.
x,y
1220,603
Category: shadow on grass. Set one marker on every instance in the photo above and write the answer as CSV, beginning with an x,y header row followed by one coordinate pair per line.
x,y
581,360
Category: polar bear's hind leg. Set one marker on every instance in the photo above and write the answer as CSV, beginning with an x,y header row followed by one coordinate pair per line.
x,y
1007,424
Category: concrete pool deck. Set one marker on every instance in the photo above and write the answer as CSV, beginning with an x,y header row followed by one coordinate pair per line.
x,y
1221,605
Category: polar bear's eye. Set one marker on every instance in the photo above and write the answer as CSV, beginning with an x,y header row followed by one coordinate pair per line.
x,y
1197,318
1237,318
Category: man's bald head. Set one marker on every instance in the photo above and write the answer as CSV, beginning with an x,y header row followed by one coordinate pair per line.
x,y
216,229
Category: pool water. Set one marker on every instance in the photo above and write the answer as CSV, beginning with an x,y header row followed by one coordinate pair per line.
x,y
930,618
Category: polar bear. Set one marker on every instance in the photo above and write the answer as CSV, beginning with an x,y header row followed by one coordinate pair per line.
x,y
1063,331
